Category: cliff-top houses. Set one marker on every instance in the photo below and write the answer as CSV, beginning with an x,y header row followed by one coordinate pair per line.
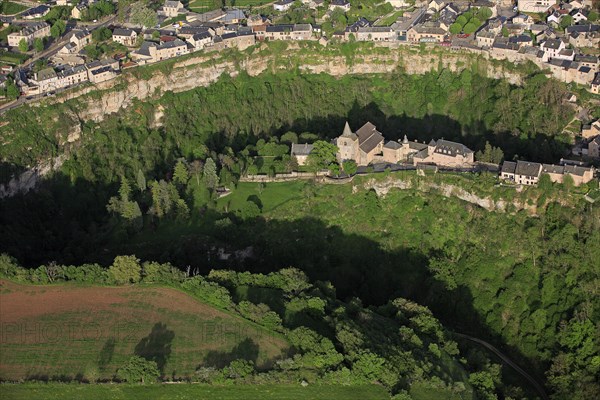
x,y
529,173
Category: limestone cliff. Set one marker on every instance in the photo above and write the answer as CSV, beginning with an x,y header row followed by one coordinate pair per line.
x,y
382,187
202,69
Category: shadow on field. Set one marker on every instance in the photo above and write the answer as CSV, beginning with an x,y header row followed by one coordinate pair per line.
x,y
156,346
247,350
106,353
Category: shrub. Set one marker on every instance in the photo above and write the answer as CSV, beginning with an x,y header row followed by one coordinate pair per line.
x,y
138,370
125,269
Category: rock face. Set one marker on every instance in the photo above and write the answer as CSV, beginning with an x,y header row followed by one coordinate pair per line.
x,y
28,179
383,187
204,69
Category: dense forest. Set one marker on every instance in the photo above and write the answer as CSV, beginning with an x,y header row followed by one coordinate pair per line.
x,y
528,283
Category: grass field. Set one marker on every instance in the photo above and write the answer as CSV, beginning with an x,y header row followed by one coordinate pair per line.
x,y
390,19
187,391
63,331
13,58
420,392
207,5
273,195
10,8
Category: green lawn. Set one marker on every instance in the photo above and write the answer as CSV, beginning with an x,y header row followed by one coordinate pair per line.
x,y
187,391
10,8
390,19
13,58
204,5
272,195
423,392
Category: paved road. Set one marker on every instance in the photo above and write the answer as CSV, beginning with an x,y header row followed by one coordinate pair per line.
x,y
537,386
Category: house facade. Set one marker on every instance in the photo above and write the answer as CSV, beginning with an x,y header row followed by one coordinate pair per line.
x,y
521,172
341,4
283,5
151,52
301,152
126,37
529,173
172,9
445,153
394,152
429,32
29,33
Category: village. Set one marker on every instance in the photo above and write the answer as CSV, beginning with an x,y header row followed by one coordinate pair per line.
x,y
561,38
367,147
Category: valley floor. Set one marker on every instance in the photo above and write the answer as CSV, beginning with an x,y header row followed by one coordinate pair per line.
x,y
190,391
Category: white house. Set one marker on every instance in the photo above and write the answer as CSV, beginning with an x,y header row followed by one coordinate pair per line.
x,y
283,5
172,9
127,37
551,48
579,15
341,4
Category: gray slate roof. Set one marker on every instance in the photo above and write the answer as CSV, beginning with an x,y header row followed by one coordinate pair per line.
x,y
368,137
393,145
526,168
301,149
123,32
453,149
509,167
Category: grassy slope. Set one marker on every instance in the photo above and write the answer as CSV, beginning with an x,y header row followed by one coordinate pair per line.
x,y
10,8
185,391
49,331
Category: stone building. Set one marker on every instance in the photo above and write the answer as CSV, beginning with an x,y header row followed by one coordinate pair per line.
x,y
528,173
445,153
594,147
126,37
301,152
362,146
394,152
521,172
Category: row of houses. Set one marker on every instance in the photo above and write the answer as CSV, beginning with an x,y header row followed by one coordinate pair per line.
x,y
49,79
529,173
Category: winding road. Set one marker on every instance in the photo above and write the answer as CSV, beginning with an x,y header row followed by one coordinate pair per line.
x,y
539,388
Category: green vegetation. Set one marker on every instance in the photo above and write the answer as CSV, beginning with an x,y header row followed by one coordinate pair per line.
x,y
464,107
13,58
58,28
330,342
469,22
10,8
525,279
98,10
142,15
390,19
58,13
23,46
184,392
